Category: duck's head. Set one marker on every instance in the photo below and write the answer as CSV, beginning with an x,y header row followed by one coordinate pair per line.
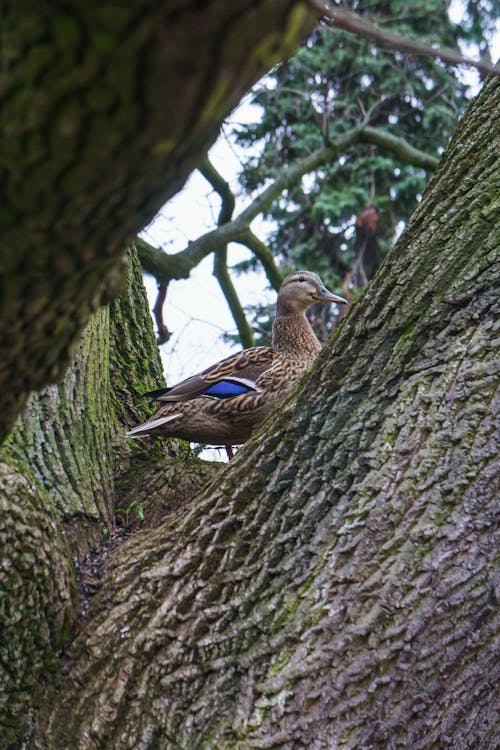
x,y
302,289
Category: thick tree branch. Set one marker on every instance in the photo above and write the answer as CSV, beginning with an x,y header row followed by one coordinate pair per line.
x,y
179,265
344,19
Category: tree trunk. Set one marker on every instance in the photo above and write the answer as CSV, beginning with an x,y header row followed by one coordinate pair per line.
x,y
334,588
107,108
65,469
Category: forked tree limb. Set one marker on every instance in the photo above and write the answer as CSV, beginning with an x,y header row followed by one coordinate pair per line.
x,y
179,265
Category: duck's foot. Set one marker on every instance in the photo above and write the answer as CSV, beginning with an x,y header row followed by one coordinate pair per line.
x,y
229,451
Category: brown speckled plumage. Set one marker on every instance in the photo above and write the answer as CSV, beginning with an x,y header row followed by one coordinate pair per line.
x,y
267,374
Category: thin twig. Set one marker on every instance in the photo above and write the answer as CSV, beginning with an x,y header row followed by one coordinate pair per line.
x,y
163,332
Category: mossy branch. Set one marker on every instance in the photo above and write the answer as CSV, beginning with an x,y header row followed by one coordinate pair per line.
x,y
179,265
221,273
403,150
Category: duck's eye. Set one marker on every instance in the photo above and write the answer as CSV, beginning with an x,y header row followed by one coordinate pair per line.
x,y
302,278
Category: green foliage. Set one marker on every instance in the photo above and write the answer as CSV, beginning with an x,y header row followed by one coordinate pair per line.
x,y
125,512
335,82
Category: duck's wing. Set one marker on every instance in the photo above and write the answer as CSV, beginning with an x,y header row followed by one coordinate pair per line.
x,y
231,376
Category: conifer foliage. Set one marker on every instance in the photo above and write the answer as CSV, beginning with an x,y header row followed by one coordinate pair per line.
x,y
342,218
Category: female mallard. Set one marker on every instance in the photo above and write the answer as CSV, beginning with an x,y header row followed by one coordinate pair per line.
x,y
225,403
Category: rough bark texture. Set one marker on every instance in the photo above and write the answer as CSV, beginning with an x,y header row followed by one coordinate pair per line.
x,y
107,108
36,603
70,436
334,587
66,468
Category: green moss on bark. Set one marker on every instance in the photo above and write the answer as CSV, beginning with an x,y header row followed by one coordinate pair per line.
x,y
37,595
67,464
71,436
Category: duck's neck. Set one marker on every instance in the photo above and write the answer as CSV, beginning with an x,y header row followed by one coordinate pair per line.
x,y
292,332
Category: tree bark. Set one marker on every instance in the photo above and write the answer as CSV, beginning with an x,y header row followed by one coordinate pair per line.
x,y
64,471
107,108
335,586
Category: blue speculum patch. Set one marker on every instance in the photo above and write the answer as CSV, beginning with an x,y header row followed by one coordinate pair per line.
x,y
226,388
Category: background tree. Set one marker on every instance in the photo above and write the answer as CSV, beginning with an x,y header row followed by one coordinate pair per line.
x,y
346,138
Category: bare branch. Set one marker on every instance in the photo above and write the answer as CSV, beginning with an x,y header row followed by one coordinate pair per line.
x,y
221,271
219,184
179,265
399,147
163,332
291,175
344,19
165,267
262,252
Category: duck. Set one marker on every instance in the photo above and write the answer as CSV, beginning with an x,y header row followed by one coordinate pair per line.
x,y
225,403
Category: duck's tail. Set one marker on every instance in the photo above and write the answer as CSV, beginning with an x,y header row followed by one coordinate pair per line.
x,y
143,430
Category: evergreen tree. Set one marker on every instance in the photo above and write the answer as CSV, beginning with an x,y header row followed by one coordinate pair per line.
x,y
342,219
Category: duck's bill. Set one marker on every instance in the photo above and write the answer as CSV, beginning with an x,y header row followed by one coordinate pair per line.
x,y
325,296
